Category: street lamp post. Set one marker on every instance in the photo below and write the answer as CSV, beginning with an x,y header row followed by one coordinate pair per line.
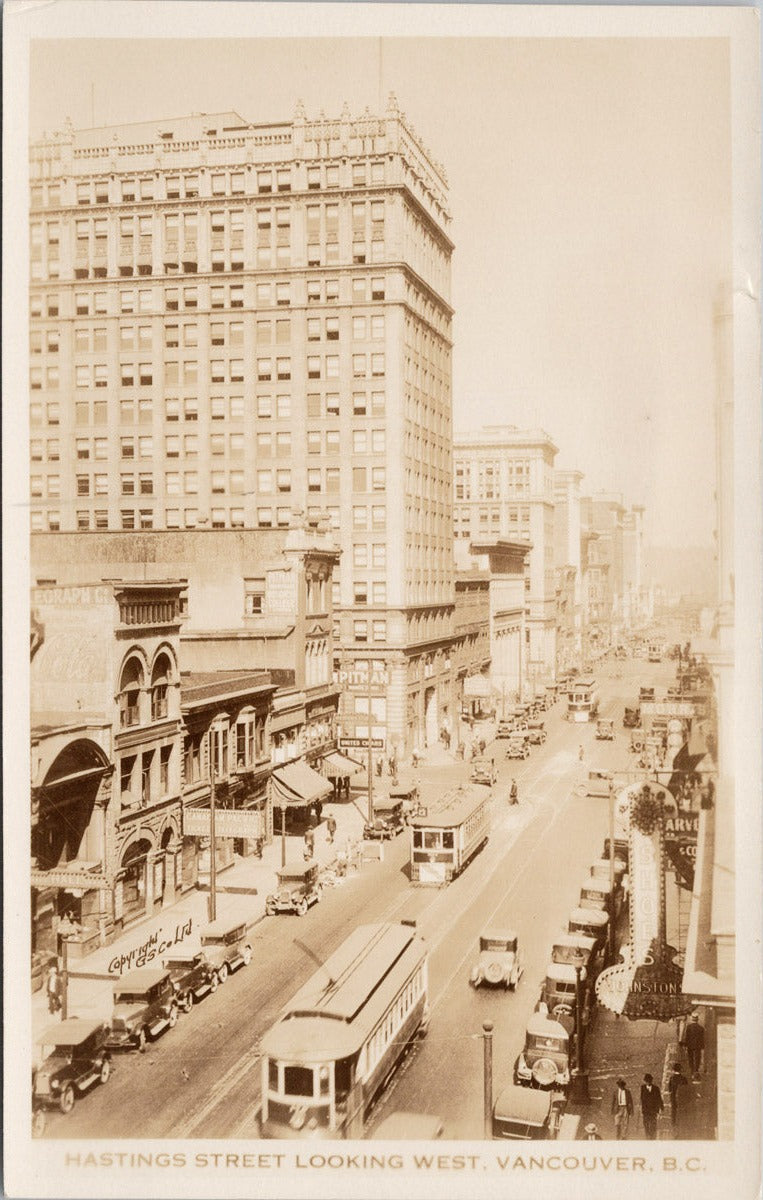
x,y
487,1045
579,1082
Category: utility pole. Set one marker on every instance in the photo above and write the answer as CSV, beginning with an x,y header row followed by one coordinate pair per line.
x,y
64,976
487,1046
579,1089
370,755
212,837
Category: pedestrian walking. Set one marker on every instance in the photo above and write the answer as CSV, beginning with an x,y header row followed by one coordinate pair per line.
x,y
592,1133
309,844
580,752
694,1041
53,988
677,1080
331,827
651,1106
622,1108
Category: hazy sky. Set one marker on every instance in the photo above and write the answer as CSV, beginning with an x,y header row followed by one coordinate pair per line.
x,y
591,198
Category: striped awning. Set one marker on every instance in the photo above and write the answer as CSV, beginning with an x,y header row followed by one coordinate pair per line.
x,y
478,686
296,785
339,766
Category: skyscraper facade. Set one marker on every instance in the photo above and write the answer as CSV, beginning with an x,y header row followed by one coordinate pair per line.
x,y
231,321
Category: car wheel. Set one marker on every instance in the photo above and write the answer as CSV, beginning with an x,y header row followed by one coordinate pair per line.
x,y
301,908
213,981
222,972
105,1070
66,1099
142,1039
173,1017
270,910
247,955
187,1002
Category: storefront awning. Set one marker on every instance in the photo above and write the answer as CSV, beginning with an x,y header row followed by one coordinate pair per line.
x,y
296,786
478,687
339,766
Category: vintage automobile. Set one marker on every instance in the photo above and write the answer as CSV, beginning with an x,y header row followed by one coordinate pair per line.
x,y
145,1004
226,947
632,718
505,729
621,850
409,1126
605,729
406,790
298,888
483,771
545,1060
601,868
592,922
500,960
536,733
518,746
575,949
596,893
520,1114
388,820
75,1056
193,977
638,740
558,996
646,693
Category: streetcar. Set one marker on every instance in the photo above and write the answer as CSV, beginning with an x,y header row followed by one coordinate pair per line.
x,y
445,841
340,1037
582,700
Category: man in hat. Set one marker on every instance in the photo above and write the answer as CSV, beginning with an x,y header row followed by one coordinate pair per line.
x,y
53,988
694,1040
677,1080
592,1133
622,1108
651,1106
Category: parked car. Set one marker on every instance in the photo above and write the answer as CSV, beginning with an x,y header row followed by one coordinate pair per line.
x,y
592,922
193,977
298,888
505,729
638,740
75,1056
406,790
605,729
388,820
646,693
226,947
545,1060
520,1114
518,746
558,996
500,961
632,718
483,770
145,1004
409,1126
536,733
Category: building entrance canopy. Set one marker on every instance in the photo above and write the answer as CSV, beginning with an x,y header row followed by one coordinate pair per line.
x,y
296,786
340,766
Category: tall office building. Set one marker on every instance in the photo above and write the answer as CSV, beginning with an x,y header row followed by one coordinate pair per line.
x,y
504,488
230,321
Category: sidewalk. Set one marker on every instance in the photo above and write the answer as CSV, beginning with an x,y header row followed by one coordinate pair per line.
x,y
241,893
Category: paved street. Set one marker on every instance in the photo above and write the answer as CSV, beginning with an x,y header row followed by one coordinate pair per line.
x,y
202,1078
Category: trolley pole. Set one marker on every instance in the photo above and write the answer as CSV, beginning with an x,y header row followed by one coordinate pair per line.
x,y
487,1046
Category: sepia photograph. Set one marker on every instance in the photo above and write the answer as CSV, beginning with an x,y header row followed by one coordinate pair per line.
x,y
382,499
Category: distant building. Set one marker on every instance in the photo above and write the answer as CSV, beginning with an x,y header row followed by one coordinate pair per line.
x,y
504,489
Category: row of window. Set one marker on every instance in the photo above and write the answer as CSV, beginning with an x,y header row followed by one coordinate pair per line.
x,y
266,294
191,185
373,517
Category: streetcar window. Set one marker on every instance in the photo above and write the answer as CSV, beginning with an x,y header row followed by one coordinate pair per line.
x,y
431,839
324,1080
417,837
298,1081
447,839
342,1077
273,1074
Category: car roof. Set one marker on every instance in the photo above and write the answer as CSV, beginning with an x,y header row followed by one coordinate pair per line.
x,y
409,1126
522,1104
539,1025
72,1032
294,867
589,916
502,934
136,981
561,971
221,926
180,955
575,939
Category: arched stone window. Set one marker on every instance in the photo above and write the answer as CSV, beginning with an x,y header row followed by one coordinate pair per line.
x,y
130,688
160,681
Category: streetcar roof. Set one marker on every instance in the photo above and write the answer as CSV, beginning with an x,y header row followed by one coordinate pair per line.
x,y
456,808
356,975
578,685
